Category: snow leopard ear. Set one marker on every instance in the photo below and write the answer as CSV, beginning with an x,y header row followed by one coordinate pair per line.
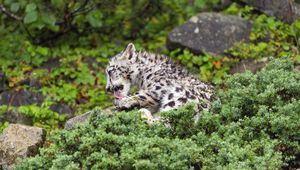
x,y
129,51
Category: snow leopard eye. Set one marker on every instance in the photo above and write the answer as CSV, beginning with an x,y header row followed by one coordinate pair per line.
x,y
109,73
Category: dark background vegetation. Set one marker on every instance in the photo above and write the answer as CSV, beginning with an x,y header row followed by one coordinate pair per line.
x,y
52,59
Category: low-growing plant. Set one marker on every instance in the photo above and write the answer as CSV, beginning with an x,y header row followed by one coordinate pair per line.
x,y
208,67
59,47
253,125
41,116
295,29
3,125
269,38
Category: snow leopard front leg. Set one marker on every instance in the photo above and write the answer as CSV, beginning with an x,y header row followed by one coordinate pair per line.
x,y
127,103
146,101
142,99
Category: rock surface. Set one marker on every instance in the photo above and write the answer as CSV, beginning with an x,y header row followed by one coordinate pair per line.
x,y
247,65
15,117
19,141
27,97
285,10
2,81
62,109
71,123
20,98
209,32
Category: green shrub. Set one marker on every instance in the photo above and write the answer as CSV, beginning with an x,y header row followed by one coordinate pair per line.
x,y
64,46
76,38
206,66
46,22
269,38
253,125
41,116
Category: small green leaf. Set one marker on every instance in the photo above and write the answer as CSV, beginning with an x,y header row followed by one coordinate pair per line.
x,y
30,17
262,45
42,50
49,19
15,7
30,7
54,28
6,2
286,47
95,19
40,25
57,3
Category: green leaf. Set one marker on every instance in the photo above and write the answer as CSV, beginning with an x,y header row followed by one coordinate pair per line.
x,y
42,50
57,3
30,7
30,17
262,45
6,2
15,7
49,19
286,47
54,28
95,19
39,24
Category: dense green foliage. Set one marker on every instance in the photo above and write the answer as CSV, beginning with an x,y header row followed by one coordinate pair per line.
x,y
254,125
58,47
63,46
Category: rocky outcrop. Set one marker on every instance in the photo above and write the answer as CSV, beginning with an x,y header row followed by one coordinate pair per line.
x,y
19,141
2,81
248,65
285,10
20,98
209,32
27,97
62,109
73,122
13,116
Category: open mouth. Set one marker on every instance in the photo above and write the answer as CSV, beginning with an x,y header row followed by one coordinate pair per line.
x,y
118,95
117,92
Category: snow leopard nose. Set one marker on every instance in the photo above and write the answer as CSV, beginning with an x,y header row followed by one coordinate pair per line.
x,y
119,87
108,89
114,88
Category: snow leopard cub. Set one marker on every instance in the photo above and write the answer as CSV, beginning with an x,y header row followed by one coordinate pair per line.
x,y
162,85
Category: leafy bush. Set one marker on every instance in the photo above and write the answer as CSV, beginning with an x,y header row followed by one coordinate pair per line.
x,y
208,67
269,37
64,46
45,22
253,125
41,116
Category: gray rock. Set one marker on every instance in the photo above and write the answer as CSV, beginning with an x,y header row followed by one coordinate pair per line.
x,y
297,67
209,32
20,98
2,81
19,141
13,116
73,122
248,65
221,5
285,10
62,108
27,97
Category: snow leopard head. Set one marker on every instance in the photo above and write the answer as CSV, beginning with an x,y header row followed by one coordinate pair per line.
x,y
119,72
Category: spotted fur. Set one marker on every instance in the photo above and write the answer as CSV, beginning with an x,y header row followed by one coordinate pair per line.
x,y
162,85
